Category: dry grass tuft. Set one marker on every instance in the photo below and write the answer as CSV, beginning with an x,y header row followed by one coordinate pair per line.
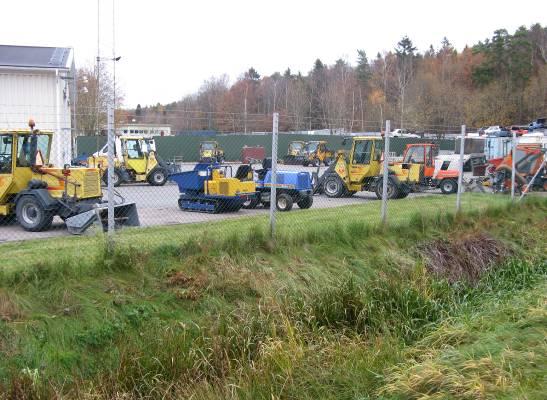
x,y
9,311
430,379
463,259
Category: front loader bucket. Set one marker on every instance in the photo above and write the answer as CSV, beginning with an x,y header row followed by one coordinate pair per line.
x,y
124,215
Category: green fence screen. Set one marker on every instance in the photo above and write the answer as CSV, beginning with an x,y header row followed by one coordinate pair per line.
x,y
187,147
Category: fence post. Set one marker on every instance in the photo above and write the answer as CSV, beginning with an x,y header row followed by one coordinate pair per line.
x,y
385,172
460,172
513,157
273,190
110,180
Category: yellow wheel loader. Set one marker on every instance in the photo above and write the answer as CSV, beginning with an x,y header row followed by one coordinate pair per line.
x,y
317,153
295,154
135,160
35,191
359,170
210,152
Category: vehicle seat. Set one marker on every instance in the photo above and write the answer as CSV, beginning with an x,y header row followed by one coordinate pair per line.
x,y
243,171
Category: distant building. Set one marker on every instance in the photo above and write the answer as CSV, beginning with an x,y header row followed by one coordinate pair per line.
x,y
38,83
146,130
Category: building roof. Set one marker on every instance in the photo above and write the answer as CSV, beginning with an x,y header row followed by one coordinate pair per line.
x,y
35,57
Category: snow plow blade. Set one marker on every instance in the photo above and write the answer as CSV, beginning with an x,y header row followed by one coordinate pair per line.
x,y
124,215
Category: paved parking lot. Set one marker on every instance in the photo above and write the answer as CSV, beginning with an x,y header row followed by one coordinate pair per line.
x,y
158,206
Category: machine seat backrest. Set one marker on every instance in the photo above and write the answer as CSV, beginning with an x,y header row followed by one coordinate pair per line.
x,y
243,171
267,163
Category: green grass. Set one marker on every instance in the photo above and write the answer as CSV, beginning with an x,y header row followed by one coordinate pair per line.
x,y
336,313
499,351
294,224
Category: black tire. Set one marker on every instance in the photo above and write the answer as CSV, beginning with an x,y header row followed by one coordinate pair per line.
x,y
327,162
315,162
251,203
31,215
157,177
306,202
392,188
284,202
334,187
117,181
448,186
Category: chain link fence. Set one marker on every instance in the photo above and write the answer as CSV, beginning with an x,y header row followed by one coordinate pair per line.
x,y
277,187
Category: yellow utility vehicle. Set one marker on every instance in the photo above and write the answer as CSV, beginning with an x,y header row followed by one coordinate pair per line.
x,y
359,170
135,160
35,191
210,152
317,153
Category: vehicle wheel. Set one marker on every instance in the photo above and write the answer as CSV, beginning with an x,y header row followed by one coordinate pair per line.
x,y
284,202
251,203
316,163
306,202
157,177
327,162
31,215
334,186
117,181
449,186
392,189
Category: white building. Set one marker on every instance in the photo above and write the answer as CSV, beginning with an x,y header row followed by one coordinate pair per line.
x,y
146,130
38,83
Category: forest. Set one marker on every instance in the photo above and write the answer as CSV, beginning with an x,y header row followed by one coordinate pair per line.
x,y
501,80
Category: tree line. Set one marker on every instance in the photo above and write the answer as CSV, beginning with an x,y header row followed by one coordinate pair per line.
x,y
499,81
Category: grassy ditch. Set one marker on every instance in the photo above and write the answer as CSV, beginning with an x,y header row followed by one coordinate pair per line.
x,y
353,312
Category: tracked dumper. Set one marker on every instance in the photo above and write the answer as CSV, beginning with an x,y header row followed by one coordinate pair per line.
x,y
210,188
36,192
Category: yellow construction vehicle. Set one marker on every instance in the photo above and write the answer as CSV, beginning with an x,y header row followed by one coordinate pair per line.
x,y
135,160
35,191
317,153
359,170
295,154
210,152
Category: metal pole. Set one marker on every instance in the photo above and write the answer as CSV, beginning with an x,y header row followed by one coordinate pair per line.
x,y
97,83
110,184
460,172
385,172
273,191
531,184
513,160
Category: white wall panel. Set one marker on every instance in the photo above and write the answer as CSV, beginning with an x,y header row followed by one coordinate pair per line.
x,y
39,95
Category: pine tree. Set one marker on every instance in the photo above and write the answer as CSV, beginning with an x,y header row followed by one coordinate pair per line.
x,y
363,67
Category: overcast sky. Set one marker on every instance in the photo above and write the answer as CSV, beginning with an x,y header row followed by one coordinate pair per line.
x,y
169,48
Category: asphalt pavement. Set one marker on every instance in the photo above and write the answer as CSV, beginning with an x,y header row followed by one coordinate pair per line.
x,y
157,205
